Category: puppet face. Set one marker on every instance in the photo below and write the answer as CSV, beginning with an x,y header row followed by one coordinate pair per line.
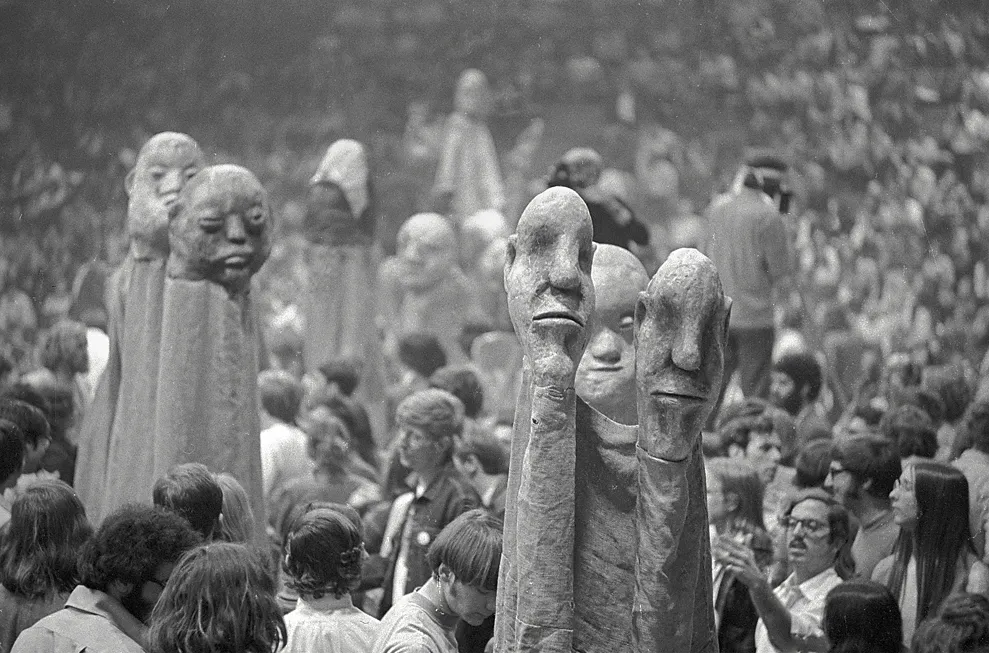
x,y
548,270
473,95
221,228
606,374
165,164
681,322
426,250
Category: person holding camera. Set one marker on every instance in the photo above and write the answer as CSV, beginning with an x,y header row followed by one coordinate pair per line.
x,y
748,243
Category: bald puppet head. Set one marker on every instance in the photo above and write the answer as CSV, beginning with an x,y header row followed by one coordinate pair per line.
x,y
473,94
548,277
681,324
606,375
220,228
427,250
165,163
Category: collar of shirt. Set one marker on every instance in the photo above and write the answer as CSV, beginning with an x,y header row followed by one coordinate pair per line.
x,y
104,605
325,604
446,621
813,589
429,492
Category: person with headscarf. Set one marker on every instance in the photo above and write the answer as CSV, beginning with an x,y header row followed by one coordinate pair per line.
x,y
339,226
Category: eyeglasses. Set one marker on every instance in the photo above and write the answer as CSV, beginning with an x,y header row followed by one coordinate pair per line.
x,y
810,526
835,471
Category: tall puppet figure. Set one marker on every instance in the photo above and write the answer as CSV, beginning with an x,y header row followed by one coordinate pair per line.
x,y
468,178
681,323
114,441
605,524
340,229
220,234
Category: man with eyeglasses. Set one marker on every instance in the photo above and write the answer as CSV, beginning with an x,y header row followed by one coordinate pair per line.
x,y
861,476
790,616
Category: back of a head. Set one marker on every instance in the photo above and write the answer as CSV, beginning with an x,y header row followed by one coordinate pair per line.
x,y
64,345
344,372
862,615
324,551
11,451
911,429
812,464
961,626
422,353
238,523
191,491
47,527
30,419
28,394
976,424
220,597
281,394
132,543
462,382
470,547
491,452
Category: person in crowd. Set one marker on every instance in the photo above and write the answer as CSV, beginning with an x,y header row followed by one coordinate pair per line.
x,y
428,423
219,598
861,476
961,625
191,491
751,437
324,554
912,431
933,556
416,357
956,396
734,509
342,374
123,570
354,416
64,358
812,465
11,463
861,616
55,401
333,478
37,434
614,222
974,464
463,383
748,244
47,527
464,562
283,444
238,523
482,459
817,528
795,385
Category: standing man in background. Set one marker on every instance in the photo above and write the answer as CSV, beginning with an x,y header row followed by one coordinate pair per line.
x,y
748,244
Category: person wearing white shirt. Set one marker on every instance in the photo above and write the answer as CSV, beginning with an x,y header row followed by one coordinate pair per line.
x,y
817,529
283,444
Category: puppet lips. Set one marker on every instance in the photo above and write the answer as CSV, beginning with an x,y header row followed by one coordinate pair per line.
x,y
559,316
688,396
236,262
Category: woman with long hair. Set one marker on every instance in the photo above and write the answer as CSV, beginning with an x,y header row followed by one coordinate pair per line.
x,y
734,499
219,599
38,555
862,616
238,523
934,556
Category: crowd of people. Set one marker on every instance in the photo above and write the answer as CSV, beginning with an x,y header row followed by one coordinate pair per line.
x,y
847,462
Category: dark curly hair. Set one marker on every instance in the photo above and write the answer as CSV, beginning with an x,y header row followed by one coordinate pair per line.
x,y
220,598
324,554
190,490
47,526
132,543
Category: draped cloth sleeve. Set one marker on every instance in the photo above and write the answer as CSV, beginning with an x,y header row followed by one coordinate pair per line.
x,y
207,409
535,612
